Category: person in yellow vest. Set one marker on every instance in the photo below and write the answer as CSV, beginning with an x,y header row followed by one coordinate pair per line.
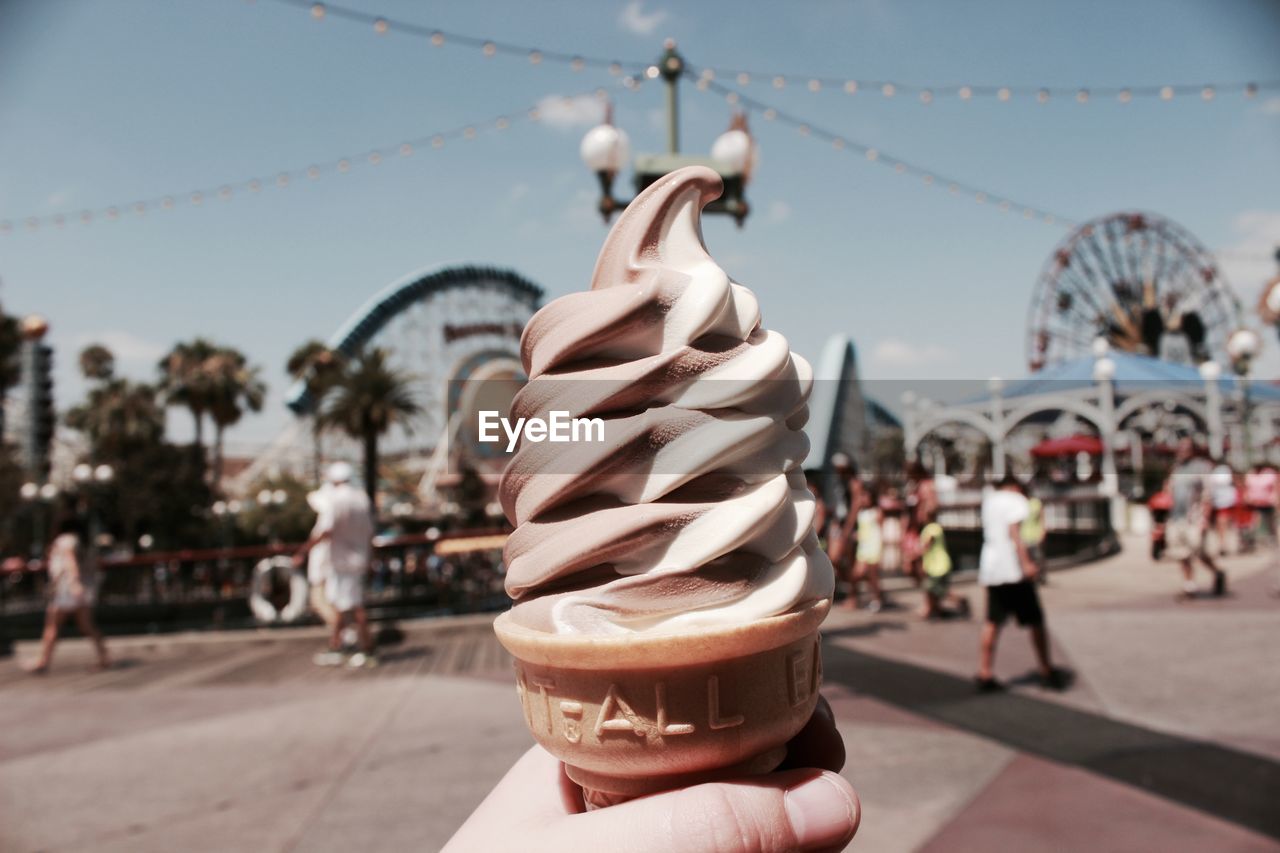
x,y
1033,536
939,600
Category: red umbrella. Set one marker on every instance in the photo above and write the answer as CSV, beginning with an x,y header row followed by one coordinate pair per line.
x,y
1069,446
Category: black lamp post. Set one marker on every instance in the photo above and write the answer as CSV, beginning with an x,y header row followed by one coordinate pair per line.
x,y
605,150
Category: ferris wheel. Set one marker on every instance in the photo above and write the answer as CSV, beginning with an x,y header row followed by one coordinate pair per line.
x,y
1141,282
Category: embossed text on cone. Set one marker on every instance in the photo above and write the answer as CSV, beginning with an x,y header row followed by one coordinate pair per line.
x,y
634,715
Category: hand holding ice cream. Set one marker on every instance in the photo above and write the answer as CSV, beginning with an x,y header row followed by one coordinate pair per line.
x,y
667,580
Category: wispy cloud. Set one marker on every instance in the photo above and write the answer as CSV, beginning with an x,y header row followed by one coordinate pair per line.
x,y
779,211
133,354
895,352
1271,107
566,113
633,18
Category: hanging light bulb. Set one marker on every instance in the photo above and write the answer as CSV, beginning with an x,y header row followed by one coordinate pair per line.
x,y
605,148
736,148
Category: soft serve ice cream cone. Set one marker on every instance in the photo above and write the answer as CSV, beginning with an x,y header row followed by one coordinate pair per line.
x,y
668,585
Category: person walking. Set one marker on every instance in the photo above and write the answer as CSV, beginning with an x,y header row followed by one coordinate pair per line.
x,y
1260,495
869,551
842,536
319,564
1189,488
345,525
1222,494
1033,532
939,600
73,592
1007,573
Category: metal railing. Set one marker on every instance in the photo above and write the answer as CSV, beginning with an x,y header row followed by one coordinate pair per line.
x,y
457,572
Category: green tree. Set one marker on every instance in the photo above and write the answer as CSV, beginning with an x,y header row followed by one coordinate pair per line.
x,y
10,369
97,362
370,397
163,486
15,514
235,387
315,364
185,381
290,521
118,417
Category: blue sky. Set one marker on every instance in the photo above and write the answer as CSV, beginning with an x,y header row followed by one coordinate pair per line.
x,y
107,101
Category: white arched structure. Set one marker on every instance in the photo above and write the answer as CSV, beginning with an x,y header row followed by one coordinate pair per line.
x,y
1106,390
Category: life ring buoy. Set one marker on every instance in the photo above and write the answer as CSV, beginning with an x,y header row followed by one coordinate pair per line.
x,y
264,574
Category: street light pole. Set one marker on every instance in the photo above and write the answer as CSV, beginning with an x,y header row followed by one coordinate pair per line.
x,y
1242,346
605,150
671,69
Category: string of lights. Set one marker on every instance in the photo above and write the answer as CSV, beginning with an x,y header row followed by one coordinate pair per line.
x,y
283,179
924,93
928,94
900,166
383,25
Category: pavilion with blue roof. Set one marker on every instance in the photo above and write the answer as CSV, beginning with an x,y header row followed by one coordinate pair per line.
x,y
1109,390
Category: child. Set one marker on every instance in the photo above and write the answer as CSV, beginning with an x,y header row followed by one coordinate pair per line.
x,y
939,600
870,549
1033,531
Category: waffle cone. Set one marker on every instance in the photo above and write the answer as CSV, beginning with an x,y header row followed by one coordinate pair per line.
x,y
637,714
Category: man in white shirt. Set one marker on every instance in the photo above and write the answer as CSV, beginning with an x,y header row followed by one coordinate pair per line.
x,y
319,566
1007,572
344,525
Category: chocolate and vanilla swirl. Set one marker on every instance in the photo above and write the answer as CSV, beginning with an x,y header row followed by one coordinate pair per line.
x,y
693,511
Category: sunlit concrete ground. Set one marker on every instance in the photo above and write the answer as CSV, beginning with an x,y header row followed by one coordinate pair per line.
x,y
235,741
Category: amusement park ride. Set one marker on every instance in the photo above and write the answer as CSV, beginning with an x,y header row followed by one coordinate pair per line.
x,y
1140,282
455,331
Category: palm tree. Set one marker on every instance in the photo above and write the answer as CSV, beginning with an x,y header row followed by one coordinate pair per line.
x,y
318,366
234,387
370,397
118,416
185,381
97,362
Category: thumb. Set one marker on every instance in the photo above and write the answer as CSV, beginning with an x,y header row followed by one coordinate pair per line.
x,y
795,810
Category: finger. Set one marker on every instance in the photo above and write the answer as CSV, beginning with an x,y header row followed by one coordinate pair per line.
x,y
818,744
795,810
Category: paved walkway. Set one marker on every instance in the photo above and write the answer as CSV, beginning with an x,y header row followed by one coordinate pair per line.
x,y
1167,740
